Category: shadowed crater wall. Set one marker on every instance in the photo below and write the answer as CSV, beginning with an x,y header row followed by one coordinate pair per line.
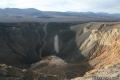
x,y
23,44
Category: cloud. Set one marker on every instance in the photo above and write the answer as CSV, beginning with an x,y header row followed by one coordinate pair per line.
x,y
111,6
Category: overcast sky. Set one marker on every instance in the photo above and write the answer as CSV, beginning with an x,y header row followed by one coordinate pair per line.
x,y
111,6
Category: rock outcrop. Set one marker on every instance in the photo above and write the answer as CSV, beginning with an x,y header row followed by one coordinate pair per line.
x,y
101,46
101,49
110,73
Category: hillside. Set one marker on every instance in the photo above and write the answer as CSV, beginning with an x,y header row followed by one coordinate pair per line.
x,y
34,15
101,49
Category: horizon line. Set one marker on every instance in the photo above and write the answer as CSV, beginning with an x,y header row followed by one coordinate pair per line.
x,y
61,11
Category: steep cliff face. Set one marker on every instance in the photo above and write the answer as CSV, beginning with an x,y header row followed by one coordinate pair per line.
x,y
27,43
101,46
18,42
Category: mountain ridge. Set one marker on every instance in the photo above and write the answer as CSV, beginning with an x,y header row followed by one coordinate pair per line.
x,y
34,15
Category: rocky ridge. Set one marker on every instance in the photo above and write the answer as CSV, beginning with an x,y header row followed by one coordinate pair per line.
x,y
102,50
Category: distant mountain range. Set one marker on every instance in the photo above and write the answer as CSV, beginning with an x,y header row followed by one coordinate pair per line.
x,y
34,15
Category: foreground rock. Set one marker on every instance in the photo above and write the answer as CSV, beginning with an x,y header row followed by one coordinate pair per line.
x,y
49,61
56,66
109,73
13,73
50,68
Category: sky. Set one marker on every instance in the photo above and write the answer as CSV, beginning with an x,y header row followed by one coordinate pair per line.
x,y
110,6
